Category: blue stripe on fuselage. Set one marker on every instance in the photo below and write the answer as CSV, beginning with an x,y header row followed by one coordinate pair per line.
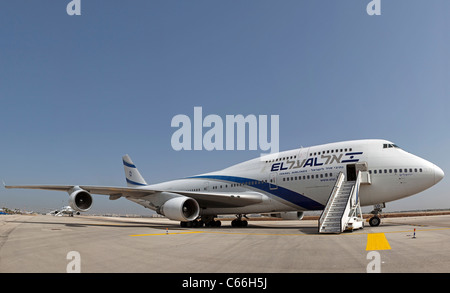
x,y
281,192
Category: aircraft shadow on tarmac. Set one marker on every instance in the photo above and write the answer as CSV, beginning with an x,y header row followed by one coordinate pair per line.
x,y
172,226
118,224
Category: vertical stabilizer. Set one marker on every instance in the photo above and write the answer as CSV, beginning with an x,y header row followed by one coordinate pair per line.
x,y
134,178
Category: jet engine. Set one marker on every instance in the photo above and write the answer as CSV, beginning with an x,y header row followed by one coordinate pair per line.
x,y
180,209
80,200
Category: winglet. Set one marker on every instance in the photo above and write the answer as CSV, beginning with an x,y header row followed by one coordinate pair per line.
x,y
132,175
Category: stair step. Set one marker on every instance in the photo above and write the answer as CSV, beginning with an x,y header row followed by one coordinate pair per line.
x,y
331,223
341,198
339,194
330,231
336,228
332,219
331,227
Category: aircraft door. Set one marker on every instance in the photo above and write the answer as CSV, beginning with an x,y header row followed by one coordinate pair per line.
x,y
353,169
351,172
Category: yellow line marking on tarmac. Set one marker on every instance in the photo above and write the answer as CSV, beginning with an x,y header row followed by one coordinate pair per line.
x,y
377,241
167,233
259,234
294,234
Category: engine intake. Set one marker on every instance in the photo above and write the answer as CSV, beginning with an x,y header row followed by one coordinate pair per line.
x,y
180,209
80,200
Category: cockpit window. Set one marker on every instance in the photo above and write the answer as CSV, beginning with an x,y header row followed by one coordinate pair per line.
x,y
390,145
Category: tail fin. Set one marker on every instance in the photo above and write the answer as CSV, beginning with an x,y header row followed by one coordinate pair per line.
x,y
134,178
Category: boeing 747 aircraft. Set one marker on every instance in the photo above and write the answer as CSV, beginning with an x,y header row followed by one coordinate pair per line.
x,y
337,178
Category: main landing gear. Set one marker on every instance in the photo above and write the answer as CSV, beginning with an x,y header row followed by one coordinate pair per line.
x,y
204,221
238,222
208,221
375,220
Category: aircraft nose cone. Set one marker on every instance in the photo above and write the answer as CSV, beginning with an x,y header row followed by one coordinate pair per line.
x,y
438,174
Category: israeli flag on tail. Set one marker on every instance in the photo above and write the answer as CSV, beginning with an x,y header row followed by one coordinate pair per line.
x,y
134,178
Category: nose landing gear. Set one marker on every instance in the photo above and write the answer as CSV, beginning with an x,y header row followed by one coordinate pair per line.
x,y
375,220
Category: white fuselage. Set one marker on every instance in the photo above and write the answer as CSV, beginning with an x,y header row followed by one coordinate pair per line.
x,y
302,179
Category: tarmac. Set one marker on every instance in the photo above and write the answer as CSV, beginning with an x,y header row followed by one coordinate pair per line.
x,y
90,244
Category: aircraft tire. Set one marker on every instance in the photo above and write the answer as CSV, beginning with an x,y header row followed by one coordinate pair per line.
x,y
239,223
374,222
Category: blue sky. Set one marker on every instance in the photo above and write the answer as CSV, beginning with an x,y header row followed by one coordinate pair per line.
x,y
78,92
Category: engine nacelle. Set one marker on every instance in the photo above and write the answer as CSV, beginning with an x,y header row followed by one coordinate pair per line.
x,y
289,215
80,200
180,209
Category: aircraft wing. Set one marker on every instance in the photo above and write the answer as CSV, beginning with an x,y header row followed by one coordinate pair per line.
x,y
106,190
204,199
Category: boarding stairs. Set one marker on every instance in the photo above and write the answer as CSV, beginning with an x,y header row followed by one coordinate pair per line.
x,y
343,211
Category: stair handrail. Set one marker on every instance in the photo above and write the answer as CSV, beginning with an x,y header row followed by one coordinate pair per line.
x,y
333,193
353,193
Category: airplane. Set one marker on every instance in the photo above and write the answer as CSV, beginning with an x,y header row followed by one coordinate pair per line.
x,y
287,183
65,210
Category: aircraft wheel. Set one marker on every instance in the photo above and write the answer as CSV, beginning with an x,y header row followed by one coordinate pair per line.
x,y
374,221
211,223
239,223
